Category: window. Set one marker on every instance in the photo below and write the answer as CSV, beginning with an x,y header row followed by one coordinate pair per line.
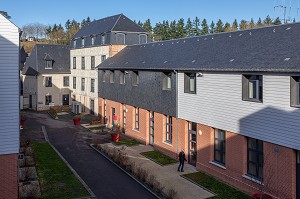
x,y
143,39
92,85
74,43
220,146
135,78
120,38
166,81
136,118
111,76
48,81
255,158
48,99
49,64
103,75
252,88
93,40
82,42
103,38
122,77
82,84
82,63
66,81
92,62
295,91
103,58
74,62
190,83
74,82
169,129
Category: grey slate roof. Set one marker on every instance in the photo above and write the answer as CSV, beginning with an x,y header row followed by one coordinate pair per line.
x,y
59,54
113,23
269,49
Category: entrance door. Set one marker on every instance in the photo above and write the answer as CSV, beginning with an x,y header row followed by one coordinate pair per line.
x,y
104,116
192,153
92,107
124,118
298,175
151,127
65,99
30,101
113,112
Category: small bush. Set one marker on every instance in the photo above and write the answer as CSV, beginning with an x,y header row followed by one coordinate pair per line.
x,y
172,194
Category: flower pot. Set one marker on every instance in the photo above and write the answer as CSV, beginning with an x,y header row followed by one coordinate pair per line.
x,y
115,137
76,121
22,122
264,196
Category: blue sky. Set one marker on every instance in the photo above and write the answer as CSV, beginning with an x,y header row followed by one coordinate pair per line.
x,y
58,11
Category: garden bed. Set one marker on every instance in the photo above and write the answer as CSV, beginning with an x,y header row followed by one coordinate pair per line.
x,y
127,142
159,158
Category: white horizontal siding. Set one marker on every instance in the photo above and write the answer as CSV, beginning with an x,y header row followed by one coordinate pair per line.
x,y
9,87
218,103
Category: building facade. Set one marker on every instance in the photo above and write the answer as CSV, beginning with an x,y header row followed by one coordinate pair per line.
x,y
94,43
9,105
46,77
229,100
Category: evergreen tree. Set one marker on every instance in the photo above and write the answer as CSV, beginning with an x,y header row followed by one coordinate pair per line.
x,y
234,26
88,20
259,22
172,30
294,20
83,22
180,32
227,27
196,27
204,27
220,25
189,28
277,21
147,26
68,24
212,28
243,25
268,21
157,30
140,23
251,24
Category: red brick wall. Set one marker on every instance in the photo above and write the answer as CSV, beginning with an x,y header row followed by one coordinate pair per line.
x,y
9,176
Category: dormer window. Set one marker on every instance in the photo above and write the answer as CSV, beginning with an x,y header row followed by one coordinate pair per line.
x,y
93,40
120,38
82,42
295,91
49,64
74,43
103,38
143,39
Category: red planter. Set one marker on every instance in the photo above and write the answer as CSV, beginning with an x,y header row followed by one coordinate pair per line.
x,y
264,196
22,122
115,137
76,121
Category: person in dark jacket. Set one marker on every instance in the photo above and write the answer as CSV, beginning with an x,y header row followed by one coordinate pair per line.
x,y
181,160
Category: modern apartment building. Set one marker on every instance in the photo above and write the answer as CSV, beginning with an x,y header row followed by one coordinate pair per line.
x,y
94,43
231,100
46,77
9,106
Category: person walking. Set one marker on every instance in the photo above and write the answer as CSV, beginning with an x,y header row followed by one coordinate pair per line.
x,y
181,160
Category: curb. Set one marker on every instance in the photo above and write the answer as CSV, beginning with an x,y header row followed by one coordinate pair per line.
x,y
93,196
104,155
199,186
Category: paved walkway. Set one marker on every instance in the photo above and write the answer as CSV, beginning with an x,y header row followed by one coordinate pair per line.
x,y
168,175
105,179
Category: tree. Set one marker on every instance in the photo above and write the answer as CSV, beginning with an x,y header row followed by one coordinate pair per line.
x,y
147,26
251,24
268,21
5,14
243,25
189,28
277,21
140,23
204,27
220,25
234,26
212,27
172,30
259,22
227,27
196,27
180,32
88,20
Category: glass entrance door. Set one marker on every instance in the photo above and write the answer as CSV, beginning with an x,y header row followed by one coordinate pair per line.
x,y
151,128
192,153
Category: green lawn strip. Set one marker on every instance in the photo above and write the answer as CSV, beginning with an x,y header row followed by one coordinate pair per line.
x,y
129,142
55,177
221,189
159,157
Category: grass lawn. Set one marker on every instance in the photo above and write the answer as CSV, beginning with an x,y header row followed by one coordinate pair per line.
x,y
129,142
221,189
159,157
55,177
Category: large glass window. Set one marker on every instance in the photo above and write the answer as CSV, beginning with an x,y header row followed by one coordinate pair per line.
x,y
92,85
136,117
220,146
135,78
74,82
169,129
255,158
190,83
74,62
143,38
103,39
253,88
82,42
49,64
82,63
82,84
166,81
66,81
92,62
48,81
